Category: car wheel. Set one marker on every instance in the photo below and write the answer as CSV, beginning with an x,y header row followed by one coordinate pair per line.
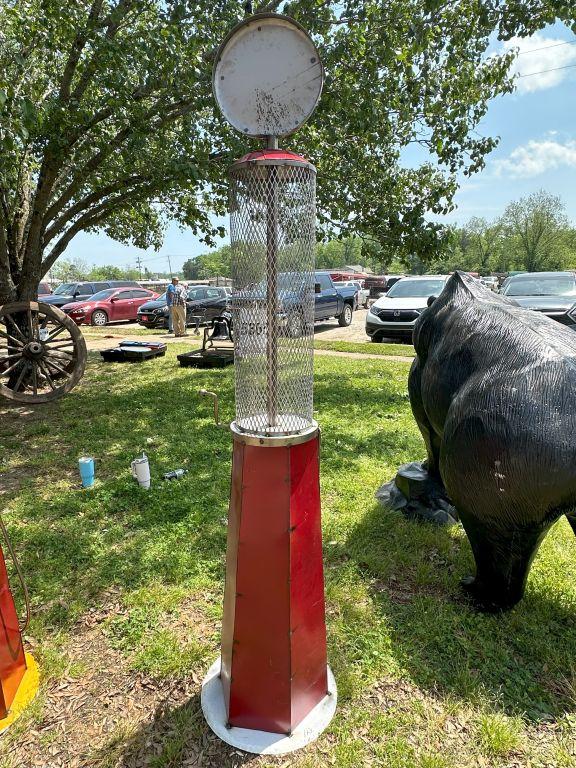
x,y
345,318
99,317
294,326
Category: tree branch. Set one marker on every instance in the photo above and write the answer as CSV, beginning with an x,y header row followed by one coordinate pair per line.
x,y
77,47
102,155
82,205
89,219
62,244
111,24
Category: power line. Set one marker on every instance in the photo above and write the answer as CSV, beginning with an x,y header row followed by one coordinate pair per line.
x,y
543,71
546,47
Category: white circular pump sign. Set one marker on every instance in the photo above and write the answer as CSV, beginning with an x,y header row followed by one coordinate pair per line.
x,y
268,76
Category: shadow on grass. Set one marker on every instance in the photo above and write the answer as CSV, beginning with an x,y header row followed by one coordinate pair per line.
x,y
521,661
74,544
174,736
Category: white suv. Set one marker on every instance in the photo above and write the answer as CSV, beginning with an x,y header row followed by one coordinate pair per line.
x,y
394,315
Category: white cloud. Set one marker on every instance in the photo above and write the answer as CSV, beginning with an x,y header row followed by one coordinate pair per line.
x,y
538,53
537,157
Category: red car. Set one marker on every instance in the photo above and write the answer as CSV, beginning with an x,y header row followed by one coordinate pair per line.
x,y
44,290
108,306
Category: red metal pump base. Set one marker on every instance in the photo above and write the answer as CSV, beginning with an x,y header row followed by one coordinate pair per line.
x,y
12,659
274,635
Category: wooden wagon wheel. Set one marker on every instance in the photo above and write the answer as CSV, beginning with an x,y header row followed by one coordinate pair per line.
x,y
42,352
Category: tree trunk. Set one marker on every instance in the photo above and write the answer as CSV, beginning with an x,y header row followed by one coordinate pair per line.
x,y
22,285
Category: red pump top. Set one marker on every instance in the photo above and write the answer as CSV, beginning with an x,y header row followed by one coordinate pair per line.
x,y
272,154
273,157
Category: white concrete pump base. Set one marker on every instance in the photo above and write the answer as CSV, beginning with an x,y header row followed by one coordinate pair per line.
x,y
263,742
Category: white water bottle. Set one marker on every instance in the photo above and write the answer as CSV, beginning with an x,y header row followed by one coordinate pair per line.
x,y
141,471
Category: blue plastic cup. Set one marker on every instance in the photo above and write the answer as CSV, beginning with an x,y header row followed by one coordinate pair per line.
x,y
86,467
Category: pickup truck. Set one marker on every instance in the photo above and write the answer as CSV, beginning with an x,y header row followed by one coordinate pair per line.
x,y
329,301
334,300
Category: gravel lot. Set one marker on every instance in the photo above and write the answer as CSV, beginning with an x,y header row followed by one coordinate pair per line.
x,y
327,331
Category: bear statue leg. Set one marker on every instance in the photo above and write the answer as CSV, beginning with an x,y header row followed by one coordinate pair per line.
x,y
503,558
571,517
431,439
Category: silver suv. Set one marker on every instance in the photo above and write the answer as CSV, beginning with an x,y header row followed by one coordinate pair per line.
x,y
394,315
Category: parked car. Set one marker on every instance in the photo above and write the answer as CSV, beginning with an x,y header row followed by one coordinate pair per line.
x,y
378,285
363,294
44,290
110,305
204,302
490,281
552,293
68,292
392,280
333,301
394,315
329,301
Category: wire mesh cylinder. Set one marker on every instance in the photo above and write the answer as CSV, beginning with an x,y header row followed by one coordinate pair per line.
x,y
272,232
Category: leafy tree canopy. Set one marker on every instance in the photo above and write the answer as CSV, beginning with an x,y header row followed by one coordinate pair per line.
x,y
67,270
533,234
107,119
213,264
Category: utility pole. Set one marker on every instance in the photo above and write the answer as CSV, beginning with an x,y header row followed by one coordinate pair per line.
x,y
169,265
139,265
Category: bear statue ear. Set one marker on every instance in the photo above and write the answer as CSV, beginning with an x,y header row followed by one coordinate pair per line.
x,y
431,300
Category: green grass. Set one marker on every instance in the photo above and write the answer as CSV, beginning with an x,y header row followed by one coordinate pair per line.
x,y
121,330
424,681
366,348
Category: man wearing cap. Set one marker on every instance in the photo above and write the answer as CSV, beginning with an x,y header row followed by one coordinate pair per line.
x,y
176,296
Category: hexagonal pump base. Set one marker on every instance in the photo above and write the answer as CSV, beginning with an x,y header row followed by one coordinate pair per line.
x,y
264,742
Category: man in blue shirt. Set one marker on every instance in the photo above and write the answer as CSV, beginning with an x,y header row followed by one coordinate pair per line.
x,y
176,299
170,301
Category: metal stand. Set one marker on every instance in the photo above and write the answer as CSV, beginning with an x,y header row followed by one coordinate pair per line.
x,y
272,291
272,692
264,742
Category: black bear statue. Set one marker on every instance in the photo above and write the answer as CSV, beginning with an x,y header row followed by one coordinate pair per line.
x,y
493,390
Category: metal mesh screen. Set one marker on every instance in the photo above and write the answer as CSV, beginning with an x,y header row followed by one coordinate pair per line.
x,y
273,217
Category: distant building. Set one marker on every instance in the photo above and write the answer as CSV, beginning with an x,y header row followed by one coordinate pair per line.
x,y
358,268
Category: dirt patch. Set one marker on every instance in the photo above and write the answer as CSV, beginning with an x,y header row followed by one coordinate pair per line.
x,y
109,716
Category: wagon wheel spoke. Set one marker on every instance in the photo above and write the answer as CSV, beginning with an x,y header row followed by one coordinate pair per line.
x,y
10,338
20,378
46,373
30,325
60,354
49,361
14,324
56,332
61,345
13,367
10,357
35,377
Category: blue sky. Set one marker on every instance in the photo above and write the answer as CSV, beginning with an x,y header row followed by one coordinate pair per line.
x,y
537,130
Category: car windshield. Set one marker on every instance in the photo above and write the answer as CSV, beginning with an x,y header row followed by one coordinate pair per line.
x,y
539,285
417,289
288,283
101,295
65,289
